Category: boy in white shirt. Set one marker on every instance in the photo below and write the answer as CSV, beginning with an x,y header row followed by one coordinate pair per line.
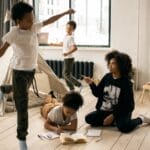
x,y
69,47
23,39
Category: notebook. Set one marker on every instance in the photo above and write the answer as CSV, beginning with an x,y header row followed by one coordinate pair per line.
x,y
93,132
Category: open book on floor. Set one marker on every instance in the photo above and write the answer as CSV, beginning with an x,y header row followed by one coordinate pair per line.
x,y
73,138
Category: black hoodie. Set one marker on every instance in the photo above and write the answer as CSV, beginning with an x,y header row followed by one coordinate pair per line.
x,y
114,95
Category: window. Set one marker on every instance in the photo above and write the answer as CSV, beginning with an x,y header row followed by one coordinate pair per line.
x,y
92,17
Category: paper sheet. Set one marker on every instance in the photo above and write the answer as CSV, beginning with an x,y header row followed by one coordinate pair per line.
x,y
48,135
92,132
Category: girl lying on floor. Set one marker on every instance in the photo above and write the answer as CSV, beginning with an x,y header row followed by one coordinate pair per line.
x,y
61,116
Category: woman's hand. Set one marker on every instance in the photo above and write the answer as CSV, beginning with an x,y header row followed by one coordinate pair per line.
x,y
108,120
88,80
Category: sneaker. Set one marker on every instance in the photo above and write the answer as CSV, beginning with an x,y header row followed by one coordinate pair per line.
x,y
145,119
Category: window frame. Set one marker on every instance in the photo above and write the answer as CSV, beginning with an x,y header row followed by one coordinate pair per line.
x,y
35,4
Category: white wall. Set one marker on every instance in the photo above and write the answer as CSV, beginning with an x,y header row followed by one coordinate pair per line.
x,y
148,18
131,33
144,34
124,27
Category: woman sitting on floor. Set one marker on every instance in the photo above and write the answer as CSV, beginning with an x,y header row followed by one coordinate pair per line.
x,y
115,102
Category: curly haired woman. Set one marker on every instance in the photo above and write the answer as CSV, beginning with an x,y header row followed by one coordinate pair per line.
x,y
115,102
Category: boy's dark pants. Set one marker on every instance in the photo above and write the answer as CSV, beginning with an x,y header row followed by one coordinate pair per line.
x,y
21,83
123,123
67,74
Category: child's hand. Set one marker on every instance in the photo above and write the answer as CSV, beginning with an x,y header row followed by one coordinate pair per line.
x,y
108,120
70,11
88,80
59,130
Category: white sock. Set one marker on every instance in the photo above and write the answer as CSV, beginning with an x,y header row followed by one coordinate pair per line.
x,y
23,145
144,119
80,88
1,95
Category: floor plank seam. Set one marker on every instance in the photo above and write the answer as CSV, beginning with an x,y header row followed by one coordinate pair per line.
x,y
116,141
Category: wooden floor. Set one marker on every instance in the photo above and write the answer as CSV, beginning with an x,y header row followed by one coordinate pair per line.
x,y
112,139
